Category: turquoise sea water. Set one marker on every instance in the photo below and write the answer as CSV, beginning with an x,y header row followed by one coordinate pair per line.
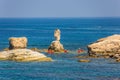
x,y
75,33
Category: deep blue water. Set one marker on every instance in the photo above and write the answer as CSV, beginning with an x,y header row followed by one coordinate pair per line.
x,y
75,33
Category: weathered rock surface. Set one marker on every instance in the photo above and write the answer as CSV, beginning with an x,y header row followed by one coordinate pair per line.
x,y
23,55
17,42
57,34
109,46
56,46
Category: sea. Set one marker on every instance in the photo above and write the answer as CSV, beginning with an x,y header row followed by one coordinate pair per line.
x,y
75,33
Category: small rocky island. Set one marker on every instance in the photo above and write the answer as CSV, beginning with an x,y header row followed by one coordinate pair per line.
x,y
56,46
106,47
17,52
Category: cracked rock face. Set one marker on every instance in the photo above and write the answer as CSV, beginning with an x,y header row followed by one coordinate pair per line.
x,y
109,46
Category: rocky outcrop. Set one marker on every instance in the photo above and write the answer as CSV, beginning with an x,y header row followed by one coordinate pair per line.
x,y
56,46
23,55
17,42
109,46
16,51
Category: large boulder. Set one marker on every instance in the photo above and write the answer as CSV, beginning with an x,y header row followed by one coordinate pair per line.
x,y
56,46
17,42
109,46
23,55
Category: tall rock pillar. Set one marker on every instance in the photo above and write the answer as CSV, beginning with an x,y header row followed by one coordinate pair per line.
x,y
56,46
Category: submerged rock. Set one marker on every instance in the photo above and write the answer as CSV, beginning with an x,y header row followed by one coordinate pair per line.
x,y
39,50
17,42
23,55
35,49
109,46
84,60
56,46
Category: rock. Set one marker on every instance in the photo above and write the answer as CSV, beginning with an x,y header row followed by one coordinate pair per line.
x,y
108,46
23,55
35,49
84,60
57,34
6,49
56,46
44,50
17,43
116,56
118,60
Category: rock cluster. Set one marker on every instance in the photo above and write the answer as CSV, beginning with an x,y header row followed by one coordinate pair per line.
x,y
17,42
109,46
56,46
17,51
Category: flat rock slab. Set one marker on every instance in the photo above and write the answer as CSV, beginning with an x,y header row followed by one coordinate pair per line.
x,y
23,55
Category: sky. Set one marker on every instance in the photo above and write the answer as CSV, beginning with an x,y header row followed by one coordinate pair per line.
x,y
59,8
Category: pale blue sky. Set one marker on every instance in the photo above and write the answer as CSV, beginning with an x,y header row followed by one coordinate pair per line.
x,y
59,8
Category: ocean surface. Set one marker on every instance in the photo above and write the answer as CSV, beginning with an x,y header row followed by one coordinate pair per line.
x,y
75,33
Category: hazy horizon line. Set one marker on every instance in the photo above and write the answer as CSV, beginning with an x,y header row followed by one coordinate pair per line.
x,y
57,17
